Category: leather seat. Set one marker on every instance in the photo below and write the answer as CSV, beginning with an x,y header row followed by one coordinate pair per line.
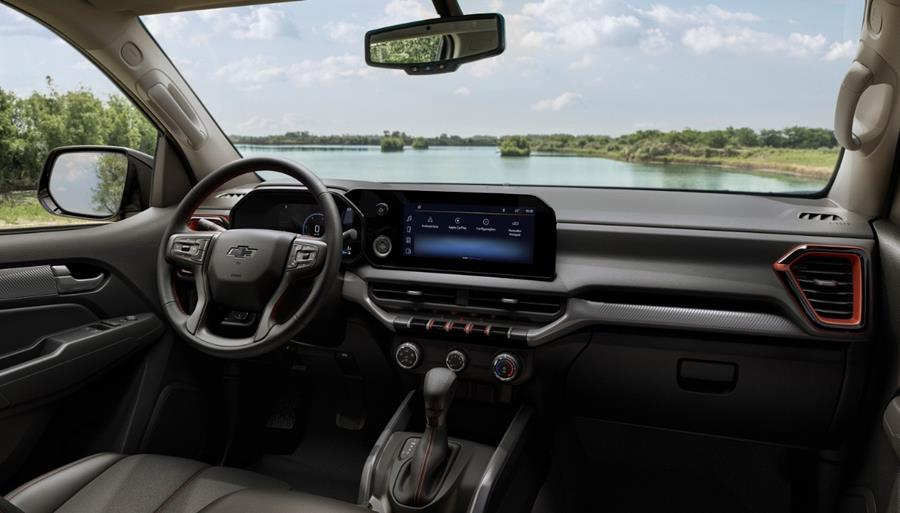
x,y
115,483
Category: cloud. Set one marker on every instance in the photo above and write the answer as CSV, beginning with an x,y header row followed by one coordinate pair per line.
x,y
253,72
556,104
741,40
569,25
840,51
654,42
344,32
14,23
256,23
462,91
403,11
665,15
166,26
584,62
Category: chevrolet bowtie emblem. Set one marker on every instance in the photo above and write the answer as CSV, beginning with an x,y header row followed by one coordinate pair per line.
x,y
241,252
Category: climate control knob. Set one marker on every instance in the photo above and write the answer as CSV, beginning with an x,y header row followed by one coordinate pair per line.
x,y
456,360
407,355
506,367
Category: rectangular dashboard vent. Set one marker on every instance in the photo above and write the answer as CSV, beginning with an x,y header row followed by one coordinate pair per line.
x,y
467,302
828,283
415,294
519,302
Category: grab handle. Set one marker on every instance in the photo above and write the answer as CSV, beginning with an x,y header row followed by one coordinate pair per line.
x,y
858,78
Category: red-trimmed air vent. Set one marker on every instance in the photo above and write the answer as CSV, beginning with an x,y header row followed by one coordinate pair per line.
x,y
828,282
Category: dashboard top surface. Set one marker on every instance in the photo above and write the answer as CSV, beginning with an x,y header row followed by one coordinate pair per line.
x,y
637,207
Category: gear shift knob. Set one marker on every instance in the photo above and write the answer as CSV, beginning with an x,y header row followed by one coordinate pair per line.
x,y
440,383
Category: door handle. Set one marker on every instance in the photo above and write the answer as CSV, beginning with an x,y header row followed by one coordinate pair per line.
x,y
68,284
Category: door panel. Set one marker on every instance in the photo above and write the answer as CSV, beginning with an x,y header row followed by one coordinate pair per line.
x,y
74,305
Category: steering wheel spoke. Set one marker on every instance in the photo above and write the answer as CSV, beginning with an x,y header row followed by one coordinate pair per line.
x,y
189,249
307,256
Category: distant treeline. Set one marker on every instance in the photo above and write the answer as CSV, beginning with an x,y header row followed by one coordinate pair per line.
x,y
797,137
33,125
306,138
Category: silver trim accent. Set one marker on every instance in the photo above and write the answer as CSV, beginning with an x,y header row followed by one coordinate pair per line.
x,y
398,422
507,446
462,355
582,313
415,349
508,357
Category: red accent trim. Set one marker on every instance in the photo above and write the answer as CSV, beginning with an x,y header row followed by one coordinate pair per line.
x,y
421,480
429,324
448,326
468,329
853,254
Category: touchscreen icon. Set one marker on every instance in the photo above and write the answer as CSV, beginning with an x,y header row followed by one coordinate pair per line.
x,y
486,221
408,219
457,220
408,251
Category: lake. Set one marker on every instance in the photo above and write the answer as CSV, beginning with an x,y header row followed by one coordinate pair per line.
x,y
483,165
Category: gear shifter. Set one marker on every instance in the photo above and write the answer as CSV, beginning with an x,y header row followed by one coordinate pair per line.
x,y
420,481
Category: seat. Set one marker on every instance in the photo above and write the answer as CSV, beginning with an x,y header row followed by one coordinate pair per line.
x,y
116,483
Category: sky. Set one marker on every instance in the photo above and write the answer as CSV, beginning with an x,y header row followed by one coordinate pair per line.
x,y
572,66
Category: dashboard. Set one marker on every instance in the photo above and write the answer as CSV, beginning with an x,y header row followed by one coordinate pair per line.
x,y
688,297
495,234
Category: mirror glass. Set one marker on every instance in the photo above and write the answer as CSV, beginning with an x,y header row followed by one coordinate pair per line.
x,y
89,183
433,42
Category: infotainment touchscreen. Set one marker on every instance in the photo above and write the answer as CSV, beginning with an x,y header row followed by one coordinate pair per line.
x,y
480,233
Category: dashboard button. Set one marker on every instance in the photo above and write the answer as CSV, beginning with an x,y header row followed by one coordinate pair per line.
x,y
407,355
382,209
382,246
456,360
506,367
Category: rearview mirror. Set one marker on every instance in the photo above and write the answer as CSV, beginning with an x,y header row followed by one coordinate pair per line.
x,y
93,182
436,46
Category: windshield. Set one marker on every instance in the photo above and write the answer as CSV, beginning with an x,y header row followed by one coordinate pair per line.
x,y
736,96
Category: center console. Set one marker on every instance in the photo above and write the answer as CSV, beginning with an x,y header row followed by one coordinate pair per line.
x,y
422,467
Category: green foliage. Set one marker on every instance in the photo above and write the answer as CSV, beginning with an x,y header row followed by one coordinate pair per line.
x,y
416,50
32,126
515,146
420,143
391,144
308,139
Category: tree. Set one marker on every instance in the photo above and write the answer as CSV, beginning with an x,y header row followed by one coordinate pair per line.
x,y
391,143
420,143
515,146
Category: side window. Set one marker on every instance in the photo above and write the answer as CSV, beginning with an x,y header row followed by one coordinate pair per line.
x,y
52,96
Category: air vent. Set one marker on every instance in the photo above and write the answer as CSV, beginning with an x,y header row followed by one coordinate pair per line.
x,y
466,302
413,294
523,303
819,216
828,283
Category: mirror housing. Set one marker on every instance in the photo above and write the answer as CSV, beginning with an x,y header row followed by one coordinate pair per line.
x,y
438,45
98,183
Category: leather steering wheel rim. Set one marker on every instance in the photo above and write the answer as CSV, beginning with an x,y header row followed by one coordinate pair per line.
x,y
323,271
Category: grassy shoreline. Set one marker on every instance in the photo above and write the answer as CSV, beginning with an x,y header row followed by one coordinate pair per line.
x,y
776,161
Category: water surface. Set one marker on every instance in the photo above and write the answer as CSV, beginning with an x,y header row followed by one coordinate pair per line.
x,y
483,165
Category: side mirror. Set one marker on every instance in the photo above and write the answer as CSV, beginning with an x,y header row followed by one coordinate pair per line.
x,y
95,182
436,46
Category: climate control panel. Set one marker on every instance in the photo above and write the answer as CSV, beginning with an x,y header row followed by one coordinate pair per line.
x,y
469,361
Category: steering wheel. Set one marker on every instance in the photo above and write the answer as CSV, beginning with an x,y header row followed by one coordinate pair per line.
x,y
248,270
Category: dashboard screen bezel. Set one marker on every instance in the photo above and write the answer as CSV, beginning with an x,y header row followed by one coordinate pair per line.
x,y
543,265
